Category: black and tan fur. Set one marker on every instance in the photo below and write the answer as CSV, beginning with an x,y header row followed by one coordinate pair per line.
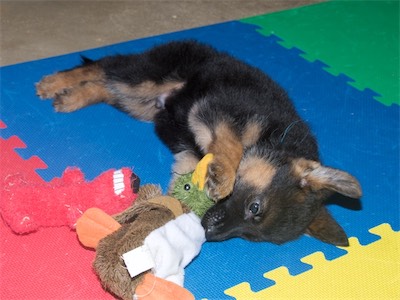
x,y
265,177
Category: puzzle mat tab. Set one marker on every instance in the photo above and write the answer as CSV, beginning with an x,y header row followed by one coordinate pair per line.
x,y
366,272
355,132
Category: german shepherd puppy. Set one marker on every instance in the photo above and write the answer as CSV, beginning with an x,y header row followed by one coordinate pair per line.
x,y
265,177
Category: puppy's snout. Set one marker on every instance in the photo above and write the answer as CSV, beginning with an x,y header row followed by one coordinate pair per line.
x,y
212,222
213,217
210,234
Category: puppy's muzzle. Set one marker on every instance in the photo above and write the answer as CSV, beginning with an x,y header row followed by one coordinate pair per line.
x,y
213,223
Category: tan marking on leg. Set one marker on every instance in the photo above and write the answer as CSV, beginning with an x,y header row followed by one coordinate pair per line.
x,y
228,150
256,172
251,134
58,83
144,100
149,89
185,162
202,133
81,96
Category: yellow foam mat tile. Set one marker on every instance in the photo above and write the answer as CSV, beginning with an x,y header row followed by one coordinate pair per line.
x,y
365,272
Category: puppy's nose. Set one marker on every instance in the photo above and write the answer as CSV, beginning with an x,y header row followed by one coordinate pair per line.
x,y
212,227
210,233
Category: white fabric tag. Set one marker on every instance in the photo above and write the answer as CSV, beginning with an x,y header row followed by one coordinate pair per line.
x,y
174,245
138,260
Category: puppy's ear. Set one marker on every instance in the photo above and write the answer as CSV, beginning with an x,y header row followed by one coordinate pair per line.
x,y
317,177
326,229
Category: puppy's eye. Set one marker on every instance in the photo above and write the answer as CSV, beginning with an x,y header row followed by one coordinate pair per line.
x,y
254,208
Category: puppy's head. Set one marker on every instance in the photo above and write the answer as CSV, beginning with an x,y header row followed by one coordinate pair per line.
x,y
277,199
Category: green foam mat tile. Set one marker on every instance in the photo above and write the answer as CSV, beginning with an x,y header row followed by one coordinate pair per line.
x,y
357,38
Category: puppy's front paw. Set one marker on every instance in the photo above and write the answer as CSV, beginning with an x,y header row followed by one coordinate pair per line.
x,y
50,86
220,179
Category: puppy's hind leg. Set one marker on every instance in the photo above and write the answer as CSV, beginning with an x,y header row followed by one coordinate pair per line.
x,y
144,100
138,84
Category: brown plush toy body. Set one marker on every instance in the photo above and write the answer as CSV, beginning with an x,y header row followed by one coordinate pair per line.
x,y
137,223
167,229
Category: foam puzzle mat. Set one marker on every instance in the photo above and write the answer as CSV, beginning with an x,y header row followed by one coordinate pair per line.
x,y
339,62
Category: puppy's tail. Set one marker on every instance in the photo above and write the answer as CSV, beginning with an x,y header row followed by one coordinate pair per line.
x,y
86,61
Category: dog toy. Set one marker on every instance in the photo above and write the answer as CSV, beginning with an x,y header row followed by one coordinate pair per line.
x,y
60,202
141,252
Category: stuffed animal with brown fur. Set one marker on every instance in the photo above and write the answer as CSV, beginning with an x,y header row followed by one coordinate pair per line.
x,y
132,228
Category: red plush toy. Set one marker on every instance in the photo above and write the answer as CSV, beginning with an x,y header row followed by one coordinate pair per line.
x,y
30,205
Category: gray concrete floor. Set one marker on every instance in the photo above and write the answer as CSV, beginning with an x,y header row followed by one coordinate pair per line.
x,y
36,29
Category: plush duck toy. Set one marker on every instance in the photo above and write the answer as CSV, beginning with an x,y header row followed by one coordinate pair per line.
x,y
141,252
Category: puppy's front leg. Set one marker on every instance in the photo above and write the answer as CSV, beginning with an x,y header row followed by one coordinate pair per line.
x,y
228,150
217,136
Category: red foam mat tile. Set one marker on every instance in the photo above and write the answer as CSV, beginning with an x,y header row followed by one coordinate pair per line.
x,y
48,264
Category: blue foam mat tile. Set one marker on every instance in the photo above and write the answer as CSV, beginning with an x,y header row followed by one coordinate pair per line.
x,y
355,132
